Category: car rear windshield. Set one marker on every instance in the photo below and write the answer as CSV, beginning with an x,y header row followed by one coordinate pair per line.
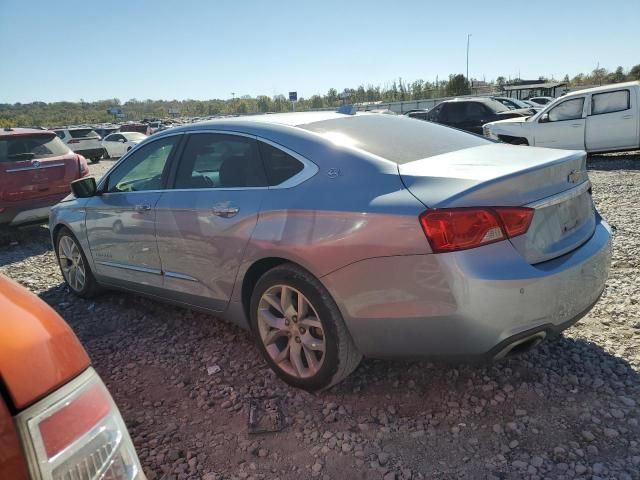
x,y
395,138
17,148
83,133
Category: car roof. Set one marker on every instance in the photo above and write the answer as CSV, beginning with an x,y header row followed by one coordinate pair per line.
x,y
16,132
471,99
604,88
38,350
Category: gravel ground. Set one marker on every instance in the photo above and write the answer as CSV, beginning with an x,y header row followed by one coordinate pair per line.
x,y
184,382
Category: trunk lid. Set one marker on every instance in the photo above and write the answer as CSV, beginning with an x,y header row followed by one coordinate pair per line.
x,y
552,182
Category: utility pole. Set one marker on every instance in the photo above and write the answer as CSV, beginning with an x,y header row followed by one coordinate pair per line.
x,y
233,101
468,37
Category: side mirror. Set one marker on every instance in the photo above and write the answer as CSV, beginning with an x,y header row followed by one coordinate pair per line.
x,y
84,187
544,118
122,140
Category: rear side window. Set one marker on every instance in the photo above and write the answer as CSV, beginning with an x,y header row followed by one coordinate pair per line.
x,y
395,138
455,112
476,111
609,102
212,160
278,165
84,133
34,147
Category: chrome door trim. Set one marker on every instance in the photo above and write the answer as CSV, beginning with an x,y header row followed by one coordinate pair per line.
x,y
39,167
180,276
125,266
561,197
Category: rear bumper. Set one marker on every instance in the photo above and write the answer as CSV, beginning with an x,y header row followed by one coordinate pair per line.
x,y
91,152
33,211
465,304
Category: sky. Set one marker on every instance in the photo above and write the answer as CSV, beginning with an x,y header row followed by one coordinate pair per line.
x,y
199,49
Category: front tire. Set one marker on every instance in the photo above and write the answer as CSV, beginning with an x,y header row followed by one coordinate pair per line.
x,y
74,266
299,329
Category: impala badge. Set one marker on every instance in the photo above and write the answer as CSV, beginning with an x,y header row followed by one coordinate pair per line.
x,y
575,176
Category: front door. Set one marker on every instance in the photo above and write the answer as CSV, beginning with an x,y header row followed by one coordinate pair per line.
x,y
121,221
563,126
205,222
613,122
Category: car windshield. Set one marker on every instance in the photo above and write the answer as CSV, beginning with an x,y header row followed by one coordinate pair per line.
x,y
496,106
134,136
31,147
396,138
83,133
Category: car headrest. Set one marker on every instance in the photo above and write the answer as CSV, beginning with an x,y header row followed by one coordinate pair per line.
x,y
234,171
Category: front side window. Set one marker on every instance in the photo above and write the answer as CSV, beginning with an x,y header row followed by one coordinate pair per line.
x,y
455,112
213,160
569,110
609,102
33,147
143,169
278,165
475,111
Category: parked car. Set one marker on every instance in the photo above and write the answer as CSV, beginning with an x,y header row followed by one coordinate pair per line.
x,y
84,141
136,127
57,418
117,144
600,119
36,169
471,113
515,104
420,114
541,100
421,240
104,131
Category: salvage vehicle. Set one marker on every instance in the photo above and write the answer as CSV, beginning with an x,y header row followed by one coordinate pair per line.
x,y
36,169
471,114
82,140
332,236
57,418
601,119
117,144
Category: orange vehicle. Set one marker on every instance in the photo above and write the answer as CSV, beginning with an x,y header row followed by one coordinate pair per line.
x,y
57,419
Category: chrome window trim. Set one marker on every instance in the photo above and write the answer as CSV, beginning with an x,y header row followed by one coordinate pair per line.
x,y
309,169
125,266
561,197
40,167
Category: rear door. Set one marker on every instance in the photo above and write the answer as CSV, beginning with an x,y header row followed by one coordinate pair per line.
x,y
121,221
205,222
35,166
564,126
613,120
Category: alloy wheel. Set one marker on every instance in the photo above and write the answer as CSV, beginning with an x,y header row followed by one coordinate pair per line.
x,y
291,331
71,263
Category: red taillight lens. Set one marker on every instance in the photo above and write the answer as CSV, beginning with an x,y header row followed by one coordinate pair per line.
x,y
73,420
452,229
515,220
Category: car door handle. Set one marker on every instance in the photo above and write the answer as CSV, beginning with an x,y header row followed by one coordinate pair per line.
x,y
627,116
142,207
225,211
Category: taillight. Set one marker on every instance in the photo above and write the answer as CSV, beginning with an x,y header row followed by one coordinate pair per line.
x,y
83,166
452,229
77,433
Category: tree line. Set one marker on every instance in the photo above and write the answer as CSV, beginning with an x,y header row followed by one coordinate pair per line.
x,y
70,113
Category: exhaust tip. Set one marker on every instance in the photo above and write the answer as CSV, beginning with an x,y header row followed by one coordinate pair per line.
x,y
521,346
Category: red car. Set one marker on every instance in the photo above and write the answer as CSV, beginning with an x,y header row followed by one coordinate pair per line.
x,y
57,419
36,168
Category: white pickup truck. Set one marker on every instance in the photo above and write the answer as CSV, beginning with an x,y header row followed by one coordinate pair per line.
x,y
601,119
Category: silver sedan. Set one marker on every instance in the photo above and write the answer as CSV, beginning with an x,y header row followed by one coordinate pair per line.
x,y
334,236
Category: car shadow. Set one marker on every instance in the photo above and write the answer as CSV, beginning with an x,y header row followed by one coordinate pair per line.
x,y
614,161
17,244
568,400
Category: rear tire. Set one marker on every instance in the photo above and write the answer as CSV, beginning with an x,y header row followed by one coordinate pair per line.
x,y
74,266
312,352
105,155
